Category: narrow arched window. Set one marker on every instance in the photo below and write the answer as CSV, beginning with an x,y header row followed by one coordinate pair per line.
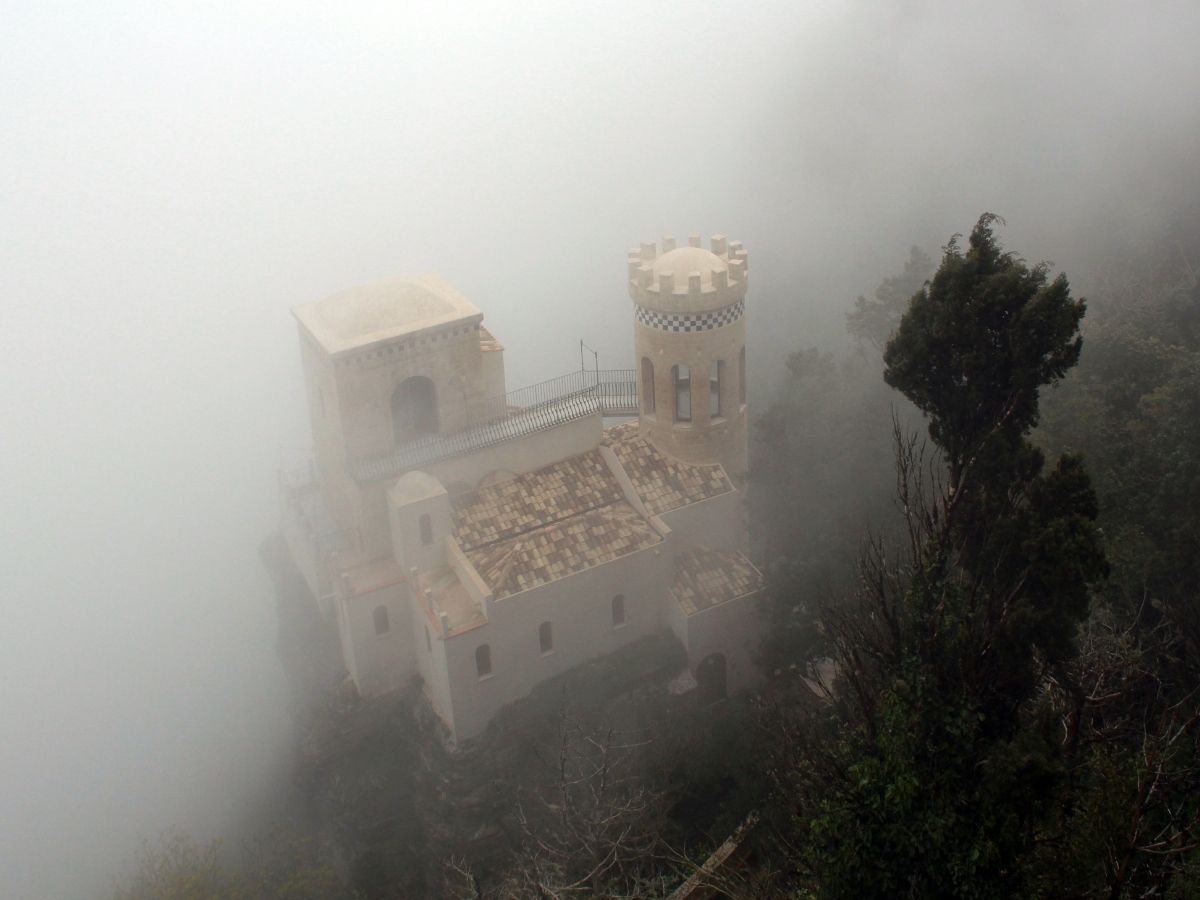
x,y
428,642
426,525
618,610
742,377
483,660
546,637
715,376
681,377
381,620
647,385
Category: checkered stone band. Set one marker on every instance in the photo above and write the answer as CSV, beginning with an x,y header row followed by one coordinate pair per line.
x,y
689,321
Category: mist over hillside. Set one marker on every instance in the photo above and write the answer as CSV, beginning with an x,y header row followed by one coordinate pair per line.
x,y
176,179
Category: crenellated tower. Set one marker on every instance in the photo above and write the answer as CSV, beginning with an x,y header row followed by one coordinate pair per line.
x,y
690,340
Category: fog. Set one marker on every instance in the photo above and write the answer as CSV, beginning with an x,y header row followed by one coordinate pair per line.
x,y
174,179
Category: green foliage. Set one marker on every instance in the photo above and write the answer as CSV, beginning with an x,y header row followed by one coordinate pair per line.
x,y
931,807
276,868
1130,700
946,763
875,320
821,471
178,868
977,345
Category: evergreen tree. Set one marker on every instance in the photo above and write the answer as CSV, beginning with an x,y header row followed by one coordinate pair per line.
x,y
940,766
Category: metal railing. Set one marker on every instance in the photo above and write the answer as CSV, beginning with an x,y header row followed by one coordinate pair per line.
x,y
609,392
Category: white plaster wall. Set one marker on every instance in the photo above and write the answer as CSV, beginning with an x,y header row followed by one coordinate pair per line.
x,y
716,523
526,454
405,528
379,662
325,415
732,628
373,515
675,619
430,662
580,609
323,407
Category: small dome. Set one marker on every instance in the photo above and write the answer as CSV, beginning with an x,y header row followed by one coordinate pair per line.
x,y
665,283
683,261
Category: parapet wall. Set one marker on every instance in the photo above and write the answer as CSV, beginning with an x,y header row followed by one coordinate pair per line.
x,y
710,281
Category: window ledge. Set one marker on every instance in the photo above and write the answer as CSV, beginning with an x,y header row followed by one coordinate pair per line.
x,y
488,677
617,626
546,653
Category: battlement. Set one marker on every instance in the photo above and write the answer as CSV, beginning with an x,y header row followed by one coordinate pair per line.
x,y
688,278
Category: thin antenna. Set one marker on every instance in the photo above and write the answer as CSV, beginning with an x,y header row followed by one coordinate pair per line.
x,y
595,360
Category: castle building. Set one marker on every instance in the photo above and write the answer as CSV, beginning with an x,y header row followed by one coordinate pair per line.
x,y
485,540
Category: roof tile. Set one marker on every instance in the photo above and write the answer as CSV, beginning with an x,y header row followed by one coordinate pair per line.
x,y
706,578
663,483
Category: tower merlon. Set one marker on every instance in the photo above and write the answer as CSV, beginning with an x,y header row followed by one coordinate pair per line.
x,y
688,278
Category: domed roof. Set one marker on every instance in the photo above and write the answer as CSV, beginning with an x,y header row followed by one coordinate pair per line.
x,y
383,310
689,280
683,261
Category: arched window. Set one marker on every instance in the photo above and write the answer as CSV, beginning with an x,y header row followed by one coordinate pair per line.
x,y
428,642
414,409
681,377
483,660
426,525
647,385
381,620
618,610
742,377
715,376
546,637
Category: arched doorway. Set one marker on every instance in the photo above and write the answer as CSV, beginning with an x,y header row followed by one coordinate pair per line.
x,y
711,678
414,409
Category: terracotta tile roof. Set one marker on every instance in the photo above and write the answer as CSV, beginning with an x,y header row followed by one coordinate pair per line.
x,y
663,483
559,491
705,578
562,548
